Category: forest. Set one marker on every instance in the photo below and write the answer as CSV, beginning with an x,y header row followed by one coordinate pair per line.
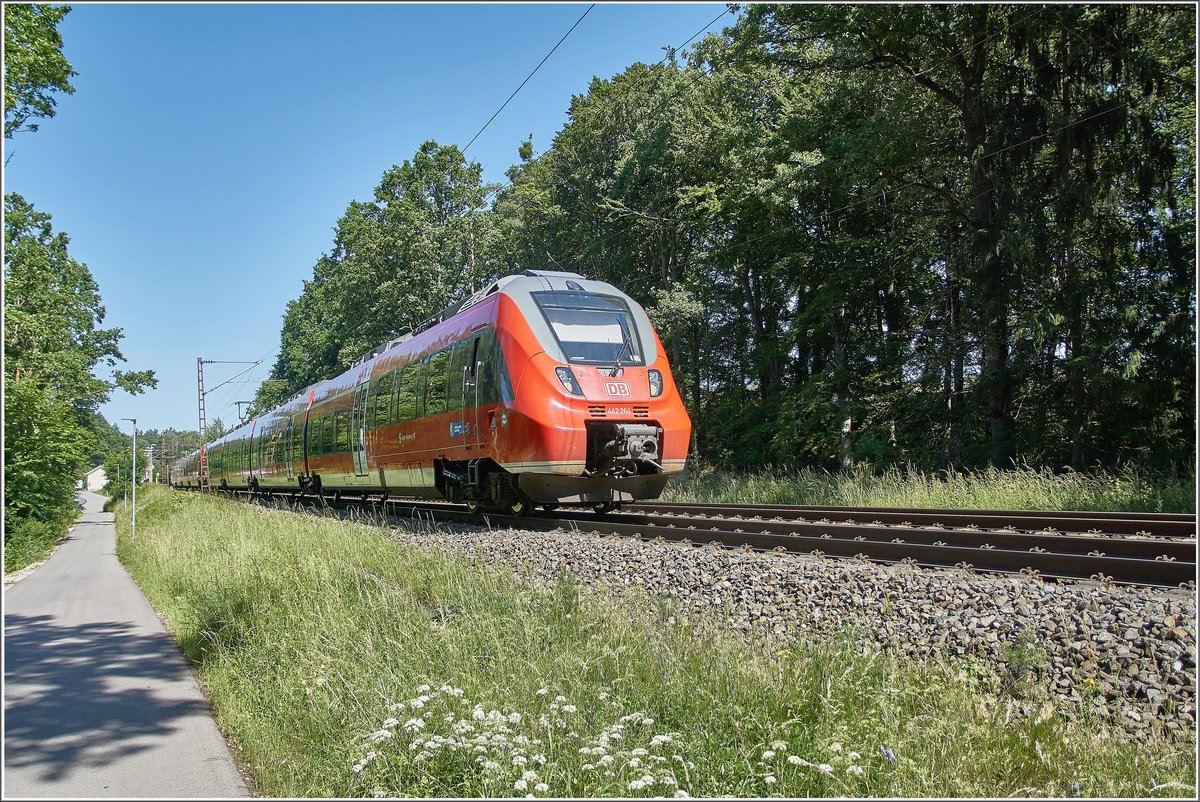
x,y
949,236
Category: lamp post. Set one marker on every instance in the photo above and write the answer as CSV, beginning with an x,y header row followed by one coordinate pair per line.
x,y
133,523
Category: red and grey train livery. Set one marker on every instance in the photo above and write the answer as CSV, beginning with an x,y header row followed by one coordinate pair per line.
x,y
543,388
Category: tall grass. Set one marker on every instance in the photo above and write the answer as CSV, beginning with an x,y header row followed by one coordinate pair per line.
x,y
28,541
1016,489
340,663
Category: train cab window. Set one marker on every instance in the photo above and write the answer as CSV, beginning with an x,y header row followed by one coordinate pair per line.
x,y
592,329
383,398
435,383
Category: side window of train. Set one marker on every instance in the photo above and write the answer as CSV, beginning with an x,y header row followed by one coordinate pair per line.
x,y
492,377
420,376
343,431
383,398
435,381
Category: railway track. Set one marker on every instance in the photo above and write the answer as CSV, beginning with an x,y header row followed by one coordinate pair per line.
x,y
1126,548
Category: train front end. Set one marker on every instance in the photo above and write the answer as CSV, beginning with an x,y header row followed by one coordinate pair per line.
x,y
598,418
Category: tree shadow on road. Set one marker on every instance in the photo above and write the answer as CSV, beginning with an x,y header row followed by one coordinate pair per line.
x,y
83,696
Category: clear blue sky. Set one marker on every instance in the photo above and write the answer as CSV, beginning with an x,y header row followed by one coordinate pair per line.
x,y
208,150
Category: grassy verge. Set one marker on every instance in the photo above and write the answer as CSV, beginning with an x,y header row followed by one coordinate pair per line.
x,y
1021,488
29,541
343,664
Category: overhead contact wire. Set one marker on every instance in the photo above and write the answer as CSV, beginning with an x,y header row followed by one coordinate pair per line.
x,y
527,77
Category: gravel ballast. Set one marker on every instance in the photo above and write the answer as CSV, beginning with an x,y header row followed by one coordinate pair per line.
x,y
1127,653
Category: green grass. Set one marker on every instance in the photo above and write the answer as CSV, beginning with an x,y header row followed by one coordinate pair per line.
x,y
1017,489
311,635
29,541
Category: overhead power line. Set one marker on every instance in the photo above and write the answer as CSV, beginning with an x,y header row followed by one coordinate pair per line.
x,y
527,77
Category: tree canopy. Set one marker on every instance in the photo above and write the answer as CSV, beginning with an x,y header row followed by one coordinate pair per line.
x,y
944,236
34,66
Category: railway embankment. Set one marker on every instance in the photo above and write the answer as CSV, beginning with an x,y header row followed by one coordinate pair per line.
x,y
346,659
1123,655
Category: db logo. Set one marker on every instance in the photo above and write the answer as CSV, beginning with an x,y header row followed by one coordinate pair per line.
x,y
616,388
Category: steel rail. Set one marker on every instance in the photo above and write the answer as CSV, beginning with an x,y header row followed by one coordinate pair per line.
x,y
926,547
1116,523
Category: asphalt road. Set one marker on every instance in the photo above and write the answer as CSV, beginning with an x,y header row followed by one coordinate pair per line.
x,y
98,700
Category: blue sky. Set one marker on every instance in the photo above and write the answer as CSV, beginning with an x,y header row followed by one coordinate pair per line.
x,y
208,150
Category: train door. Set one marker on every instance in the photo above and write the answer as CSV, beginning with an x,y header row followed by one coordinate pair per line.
x,y
358,428
471,393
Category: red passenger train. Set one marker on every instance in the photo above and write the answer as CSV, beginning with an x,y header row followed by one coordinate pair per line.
x,y
543,388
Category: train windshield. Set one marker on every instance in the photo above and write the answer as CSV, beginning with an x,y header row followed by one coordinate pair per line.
x,y
592,329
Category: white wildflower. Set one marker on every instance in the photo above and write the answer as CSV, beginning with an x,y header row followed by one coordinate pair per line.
x,y
356,768
539,759
768,754
424,755
414,724
637,785
541,788
769,779
568,708
825,768
605,760
681,794
529,776
635,762
668,780
514,718
588,767
659,740
519,760
478,714
416,704
380,735
857,771
639,752
560,699
778,745
520,785
491,765
445,689
542,691
853,756
390,722
795,760
602,695
835,748
423,689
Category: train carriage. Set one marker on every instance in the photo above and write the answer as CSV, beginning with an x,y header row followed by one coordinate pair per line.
x,y
542,388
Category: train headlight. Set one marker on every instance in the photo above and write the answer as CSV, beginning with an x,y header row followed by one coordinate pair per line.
x,y
656,383
568,380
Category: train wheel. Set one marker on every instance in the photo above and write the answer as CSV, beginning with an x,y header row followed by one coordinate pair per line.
x,y
518,508
473,507
604,507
